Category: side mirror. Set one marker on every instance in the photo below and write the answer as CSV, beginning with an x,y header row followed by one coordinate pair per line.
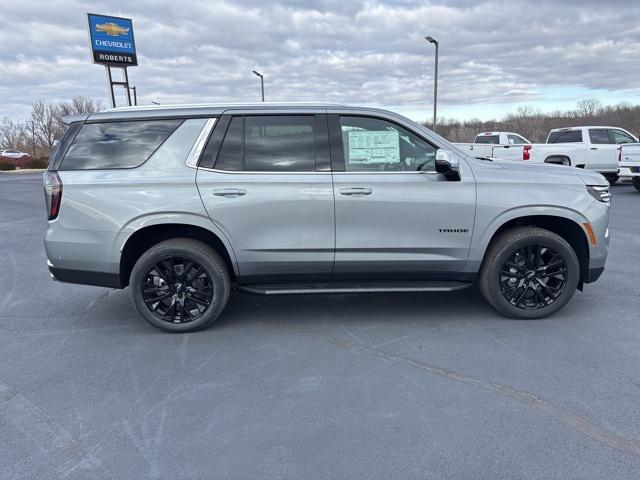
x,y
447,159
447,163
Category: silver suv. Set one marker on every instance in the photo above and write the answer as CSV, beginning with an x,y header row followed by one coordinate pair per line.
x,y
183,203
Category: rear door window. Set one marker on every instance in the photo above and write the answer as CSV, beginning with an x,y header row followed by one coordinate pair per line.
x,y
110,145
269,143
230,157
565,136
283,143
599,136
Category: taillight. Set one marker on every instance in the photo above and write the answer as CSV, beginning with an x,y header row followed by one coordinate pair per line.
x,y
526,152
619,154
52,193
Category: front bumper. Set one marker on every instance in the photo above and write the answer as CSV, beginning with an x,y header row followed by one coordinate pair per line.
x,y
593,274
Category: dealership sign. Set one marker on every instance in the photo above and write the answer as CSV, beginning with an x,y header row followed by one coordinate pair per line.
x,y
112,40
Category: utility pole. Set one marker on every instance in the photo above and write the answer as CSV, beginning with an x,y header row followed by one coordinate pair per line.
x,y
33,138
435,82
261,82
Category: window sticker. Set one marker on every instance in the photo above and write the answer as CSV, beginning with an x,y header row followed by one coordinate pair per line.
x,y
374,147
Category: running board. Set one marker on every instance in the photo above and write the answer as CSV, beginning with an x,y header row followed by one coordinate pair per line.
x,y
346,287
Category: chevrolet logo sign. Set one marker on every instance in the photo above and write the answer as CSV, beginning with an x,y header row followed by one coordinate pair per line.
x,y
111,29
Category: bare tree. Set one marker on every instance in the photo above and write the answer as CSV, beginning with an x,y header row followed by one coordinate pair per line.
x,y
10,133
536,125
45,124
78,105
588,107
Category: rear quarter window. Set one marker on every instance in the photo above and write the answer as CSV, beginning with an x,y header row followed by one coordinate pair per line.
x,y
61,147
566,136
111,145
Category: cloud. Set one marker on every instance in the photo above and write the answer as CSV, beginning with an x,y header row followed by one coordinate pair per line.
x,y
365,52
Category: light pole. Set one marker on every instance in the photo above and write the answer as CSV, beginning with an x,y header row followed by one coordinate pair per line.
x,y
435,83
261,82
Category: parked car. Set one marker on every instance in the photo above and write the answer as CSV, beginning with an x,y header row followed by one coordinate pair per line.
x,y
486,144
591,148
302,199
11,153
630,162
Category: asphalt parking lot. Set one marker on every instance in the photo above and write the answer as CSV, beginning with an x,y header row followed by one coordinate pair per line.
x,y
341,386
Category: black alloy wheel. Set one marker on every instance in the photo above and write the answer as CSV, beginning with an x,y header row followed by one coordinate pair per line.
x,y
177,290
180,285
529,272
533,277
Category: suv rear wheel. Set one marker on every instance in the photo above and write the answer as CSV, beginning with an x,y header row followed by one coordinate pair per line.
x,y
636,183
529,272
180,285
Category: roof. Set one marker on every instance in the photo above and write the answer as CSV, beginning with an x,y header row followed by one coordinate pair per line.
x,y
195,110
584,126
207,110
488,134
205,106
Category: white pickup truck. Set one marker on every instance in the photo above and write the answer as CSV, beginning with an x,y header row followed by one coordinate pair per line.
x,y
591,147
630,162
487,142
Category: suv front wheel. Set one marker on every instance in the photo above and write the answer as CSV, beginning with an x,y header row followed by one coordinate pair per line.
x,y
180,285
529,272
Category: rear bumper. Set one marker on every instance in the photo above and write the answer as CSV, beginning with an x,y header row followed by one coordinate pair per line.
x,y
98,279
629,170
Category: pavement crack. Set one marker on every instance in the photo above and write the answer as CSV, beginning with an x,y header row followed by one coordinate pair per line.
x,y
574,421
19,414
94,302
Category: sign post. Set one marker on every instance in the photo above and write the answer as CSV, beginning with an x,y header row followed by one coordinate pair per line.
x,y
113,45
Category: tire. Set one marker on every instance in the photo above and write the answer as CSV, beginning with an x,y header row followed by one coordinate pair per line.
x,y
612,178
636,183
539,301
180,285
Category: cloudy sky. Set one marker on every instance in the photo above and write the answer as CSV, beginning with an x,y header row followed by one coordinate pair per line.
x,y
494,56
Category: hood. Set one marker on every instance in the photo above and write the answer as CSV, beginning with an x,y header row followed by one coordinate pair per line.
x,y
562,172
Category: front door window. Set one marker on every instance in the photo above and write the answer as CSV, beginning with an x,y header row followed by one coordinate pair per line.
x,y
374,145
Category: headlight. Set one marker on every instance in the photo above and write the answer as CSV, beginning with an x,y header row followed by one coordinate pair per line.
x,y
600,193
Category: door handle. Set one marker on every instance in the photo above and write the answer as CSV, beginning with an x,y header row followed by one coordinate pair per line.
x,y
229,192
356,191
594,148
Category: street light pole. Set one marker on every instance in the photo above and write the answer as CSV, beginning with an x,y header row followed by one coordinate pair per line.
x,y
435,82
261,82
